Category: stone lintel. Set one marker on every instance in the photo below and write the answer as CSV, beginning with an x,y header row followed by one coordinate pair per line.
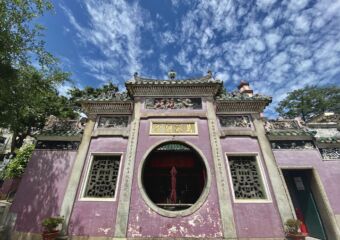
x,y
59,138
226,132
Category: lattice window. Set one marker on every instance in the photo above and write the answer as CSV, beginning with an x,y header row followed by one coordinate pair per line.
x,y
246,177
103,177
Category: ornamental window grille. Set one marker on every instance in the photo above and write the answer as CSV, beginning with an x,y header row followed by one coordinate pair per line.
x,y
57,145
173,103
246,178
235,121
113,122
330,153
292,144
103,177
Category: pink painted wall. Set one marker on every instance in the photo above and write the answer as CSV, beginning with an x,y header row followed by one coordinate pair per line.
x,y
329,171
97,218
9,186
253,219
41,191
144,222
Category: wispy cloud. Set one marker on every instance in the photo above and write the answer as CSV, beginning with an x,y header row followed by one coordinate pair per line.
x,y
278,46
111,36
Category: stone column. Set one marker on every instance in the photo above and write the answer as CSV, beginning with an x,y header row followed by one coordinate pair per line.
x,y
275,176
122,216
73,183
226,207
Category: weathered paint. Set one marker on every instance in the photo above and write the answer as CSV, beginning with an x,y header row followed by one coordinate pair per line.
x,y
97,218
253,219
42,188
329,171
204,223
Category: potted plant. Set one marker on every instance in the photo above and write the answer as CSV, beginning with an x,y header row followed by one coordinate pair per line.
x,y
50,225
292,230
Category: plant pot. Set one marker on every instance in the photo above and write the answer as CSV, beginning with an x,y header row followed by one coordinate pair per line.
x,y
50,235
296,236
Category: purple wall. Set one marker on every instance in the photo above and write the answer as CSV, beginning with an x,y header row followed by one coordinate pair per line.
x,y
97,218
144,222
41,191
253,219
329,171
9,186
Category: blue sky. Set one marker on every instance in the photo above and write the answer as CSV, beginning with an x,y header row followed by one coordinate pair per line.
x,y
278,46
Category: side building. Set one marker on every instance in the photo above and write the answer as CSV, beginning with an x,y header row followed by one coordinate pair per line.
x,y
181,159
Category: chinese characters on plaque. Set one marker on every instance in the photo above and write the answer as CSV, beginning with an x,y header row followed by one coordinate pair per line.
x,y
169,128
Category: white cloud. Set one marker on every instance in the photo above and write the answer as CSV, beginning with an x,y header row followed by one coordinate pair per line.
x,y
113,29
264,4
272,39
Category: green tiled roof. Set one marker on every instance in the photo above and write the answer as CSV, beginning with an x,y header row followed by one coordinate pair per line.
x,y
61,132
106,97
237,96
190,81
292,133
328,140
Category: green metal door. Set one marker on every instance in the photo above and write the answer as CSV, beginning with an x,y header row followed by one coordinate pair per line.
x,y
298,183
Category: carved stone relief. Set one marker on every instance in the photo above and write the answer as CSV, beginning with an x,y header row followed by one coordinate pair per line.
x,y
235,121
282,125
292,145
330,153
246,178
103,177
173,103
113,122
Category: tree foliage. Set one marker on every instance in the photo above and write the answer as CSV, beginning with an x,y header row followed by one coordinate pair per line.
x,y
18,36
310,101
18,164
29,75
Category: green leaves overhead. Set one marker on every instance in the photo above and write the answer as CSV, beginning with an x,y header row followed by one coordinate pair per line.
x,y
310,101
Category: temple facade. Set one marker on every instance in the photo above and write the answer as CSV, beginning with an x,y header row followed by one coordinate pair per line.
x,y
181,159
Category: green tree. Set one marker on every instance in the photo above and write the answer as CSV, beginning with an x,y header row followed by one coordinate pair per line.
x,y
310,101
28,94
17,165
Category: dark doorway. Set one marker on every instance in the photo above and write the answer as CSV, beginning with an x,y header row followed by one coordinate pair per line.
x,y
174,176
302,190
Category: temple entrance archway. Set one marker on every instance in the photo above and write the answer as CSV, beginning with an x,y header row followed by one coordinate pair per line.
x,y
174,178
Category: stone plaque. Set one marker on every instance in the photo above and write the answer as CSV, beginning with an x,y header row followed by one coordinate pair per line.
x,y
173,128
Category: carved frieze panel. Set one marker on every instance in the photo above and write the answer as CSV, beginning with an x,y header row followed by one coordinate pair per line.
x,y
173,103
292,144
330,153
235,121
57,145
246,178
282,125
102,178
173,128
113,121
